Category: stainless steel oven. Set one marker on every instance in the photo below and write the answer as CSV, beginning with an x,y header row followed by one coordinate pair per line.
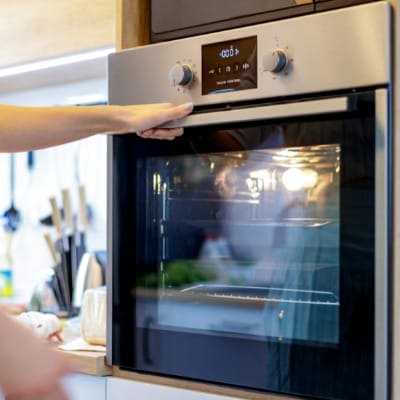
x,y
253,251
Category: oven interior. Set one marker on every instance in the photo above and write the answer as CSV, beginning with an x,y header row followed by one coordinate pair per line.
x,y
245,237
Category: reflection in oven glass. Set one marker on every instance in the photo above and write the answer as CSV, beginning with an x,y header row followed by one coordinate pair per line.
x,y
247,242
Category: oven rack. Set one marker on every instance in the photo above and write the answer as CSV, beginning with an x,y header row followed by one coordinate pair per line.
x,y
256,294
266,222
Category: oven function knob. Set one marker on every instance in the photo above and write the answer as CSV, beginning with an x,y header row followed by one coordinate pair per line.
x,y
181,75
275,61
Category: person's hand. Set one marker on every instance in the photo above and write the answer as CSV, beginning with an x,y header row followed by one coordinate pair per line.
x,y
146,119
14,309
29,368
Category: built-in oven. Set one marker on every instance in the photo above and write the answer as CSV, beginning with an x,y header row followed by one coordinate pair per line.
x,y
173,19
253,250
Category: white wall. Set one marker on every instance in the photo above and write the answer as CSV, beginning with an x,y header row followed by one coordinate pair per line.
x,y
66,166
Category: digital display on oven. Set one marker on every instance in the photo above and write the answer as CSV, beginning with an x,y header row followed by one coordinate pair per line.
x,y
229,66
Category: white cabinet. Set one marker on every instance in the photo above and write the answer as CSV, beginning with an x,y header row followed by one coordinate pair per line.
x,y
122,389
85,387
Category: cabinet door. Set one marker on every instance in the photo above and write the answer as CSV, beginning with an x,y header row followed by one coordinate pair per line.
x,y
121,389
85,387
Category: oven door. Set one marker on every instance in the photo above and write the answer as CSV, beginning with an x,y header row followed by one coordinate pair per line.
x,y
252,251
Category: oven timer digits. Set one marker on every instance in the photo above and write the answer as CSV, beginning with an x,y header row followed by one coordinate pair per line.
x,y
229,52
181,75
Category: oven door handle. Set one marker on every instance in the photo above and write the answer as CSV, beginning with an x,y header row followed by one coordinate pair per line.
x,y
287,110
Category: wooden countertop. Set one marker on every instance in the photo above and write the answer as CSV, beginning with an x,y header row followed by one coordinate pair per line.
x,y
85,362
89,362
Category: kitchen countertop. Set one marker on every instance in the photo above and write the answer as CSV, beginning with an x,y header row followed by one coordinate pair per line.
x,y
88,362
85,362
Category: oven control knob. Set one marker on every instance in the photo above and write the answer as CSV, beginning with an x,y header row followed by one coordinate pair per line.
x,y
181,75
275,61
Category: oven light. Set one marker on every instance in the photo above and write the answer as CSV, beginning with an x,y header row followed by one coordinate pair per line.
x,y
157,183
296,179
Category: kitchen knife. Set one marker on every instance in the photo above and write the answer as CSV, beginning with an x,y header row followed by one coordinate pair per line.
x,y
57,279
70,252
62,246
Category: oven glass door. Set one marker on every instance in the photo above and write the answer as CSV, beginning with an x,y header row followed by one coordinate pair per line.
x,y
244,253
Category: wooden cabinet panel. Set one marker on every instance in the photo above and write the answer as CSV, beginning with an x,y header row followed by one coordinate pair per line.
x,y
133,23
39,29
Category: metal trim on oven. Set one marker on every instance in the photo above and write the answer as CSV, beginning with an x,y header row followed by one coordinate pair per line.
x,y
286,110
382,213
109,249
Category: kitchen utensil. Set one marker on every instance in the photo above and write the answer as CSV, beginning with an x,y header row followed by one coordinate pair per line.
x,y
52,248
12,215
44,296
30,160
56,282
68,237
82,223
56,216
47,220
62,270
90,275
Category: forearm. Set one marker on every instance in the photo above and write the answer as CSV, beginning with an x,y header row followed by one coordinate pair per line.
x,y
29,128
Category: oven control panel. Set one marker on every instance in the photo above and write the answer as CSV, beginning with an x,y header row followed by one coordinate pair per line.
x,y
229,66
